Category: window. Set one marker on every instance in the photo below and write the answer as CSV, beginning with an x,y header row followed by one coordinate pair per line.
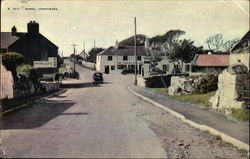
x,y
165,68
109,58
187,68
112,67
139,58
125,58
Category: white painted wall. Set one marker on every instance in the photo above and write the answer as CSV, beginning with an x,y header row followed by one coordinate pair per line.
x,y
102,61
243,57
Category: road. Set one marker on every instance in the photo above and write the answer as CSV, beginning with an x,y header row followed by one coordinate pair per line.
x,y
103,120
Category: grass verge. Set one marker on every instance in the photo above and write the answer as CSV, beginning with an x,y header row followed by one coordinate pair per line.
x,y
62,69
240,114
201,99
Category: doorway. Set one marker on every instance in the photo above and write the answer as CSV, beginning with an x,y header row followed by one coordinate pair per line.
x,y
107,69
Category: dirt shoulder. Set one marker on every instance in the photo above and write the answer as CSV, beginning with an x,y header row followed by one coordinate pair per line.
x,y
180,140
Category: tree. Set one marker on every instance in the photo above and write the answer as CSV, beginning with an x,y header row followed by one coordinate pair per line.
x,y
185,51
140,40
166,41
92,54
215,42
11,60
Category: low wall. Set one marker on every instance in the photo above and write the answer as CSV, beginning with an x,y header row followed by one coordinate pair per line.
x,y
51,86
182,84
160,81
28,93
226,95
88,64
6,84
141,82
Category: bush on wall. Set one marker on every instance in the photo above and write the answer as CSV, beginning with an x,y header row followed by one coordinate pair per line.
x,y
11,60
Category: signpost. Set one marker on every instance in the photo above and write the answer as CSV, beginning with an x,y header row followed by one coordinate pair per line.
x,y
51,63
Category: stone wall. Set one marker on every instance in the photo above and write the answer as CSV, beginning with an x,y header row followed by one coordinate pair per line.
x,y
26,88
51,86
226,96
88,64
181,84
141,82
6,84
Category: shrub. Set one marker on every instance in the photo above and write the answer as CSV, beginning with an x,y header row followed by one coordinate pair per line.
x,y
24,68
207,84
34,75
11,60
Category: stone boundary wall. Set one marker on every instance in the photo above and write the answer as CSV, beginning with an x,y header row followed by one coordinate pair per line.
x,y
226,94
88,64
6,84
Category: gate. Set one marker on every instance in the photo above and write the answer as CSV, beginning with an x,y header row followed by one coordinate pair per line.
x,y
243,88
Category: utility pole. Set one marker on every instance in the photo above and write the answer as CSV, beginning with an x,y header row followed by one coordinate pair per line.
x,y
94,50
135,53
74,46
0,79
94,55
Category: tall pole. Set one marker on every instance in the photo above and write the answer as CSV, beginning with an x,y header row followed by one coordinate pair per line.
x,y
94,50
0,79
74,46
135,53
94,55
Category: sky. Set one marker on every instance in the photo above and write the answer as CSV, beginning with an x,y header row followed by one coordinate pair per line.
x,y
82,21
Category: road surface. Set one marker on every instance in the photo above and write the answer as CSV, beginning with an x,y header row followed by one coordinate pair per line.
x,y
103,120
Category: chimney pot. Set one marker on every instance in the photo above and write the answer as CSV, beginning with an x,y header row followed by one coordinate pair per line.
x,y
13,31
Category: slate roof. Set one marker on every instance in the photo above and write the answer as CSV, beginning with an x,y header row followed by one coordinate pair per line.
x,y
27,36
7,39
243,41
212,60
124,51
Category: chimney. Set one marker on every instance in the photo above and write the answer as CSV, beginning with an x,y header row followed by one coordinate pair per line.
x,y
13,31
146,44
33,27
116,44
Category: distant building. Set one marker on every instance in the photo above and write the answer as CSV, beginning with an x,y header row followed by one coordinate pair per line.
x,y
83,54
32,45
8,38
240,53
119,57
209,63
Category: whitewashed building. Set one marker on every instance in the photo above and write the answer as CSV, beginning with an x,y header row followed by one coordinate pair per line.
x,y
240,53
114,59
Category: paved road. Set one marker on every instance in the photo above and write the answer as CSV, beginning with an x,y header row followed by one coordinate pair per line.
x,y
90,121
104,121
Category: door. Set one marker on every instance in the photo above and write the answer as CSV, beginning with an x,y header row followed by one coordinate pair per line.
x,y
107,69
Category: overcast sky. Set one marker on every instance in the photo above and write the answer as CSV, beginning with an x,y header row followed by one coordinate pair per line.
x,y
82,21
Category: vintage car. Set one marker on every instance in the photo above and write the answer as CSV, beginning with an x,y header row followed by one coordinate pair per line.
x,y
97,78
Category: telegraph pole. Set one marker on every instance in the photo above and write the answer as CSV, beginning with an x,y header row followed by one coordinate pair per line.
x,y
94,56
0,79
74,46
94,51
135,53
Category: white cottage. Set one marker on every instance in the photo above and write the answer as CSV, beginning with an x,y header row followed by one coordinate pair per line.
x,y
240,53
114,59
